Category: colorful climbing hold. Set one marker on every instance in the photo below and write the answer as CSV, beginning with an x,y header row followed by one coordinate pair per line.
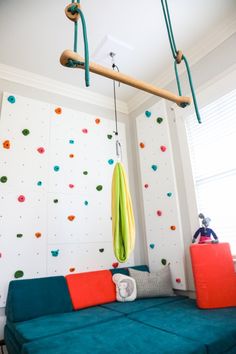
x,y
109,136
71,217
18,274
56,168
99,187
55,201
111,161
115,265
19,235
163,148
72,269
39,183
37,234
41,150
173,227
21,198
71,185
86,202
152,245
146,185
159,120
71,156
85,131
142,145
97,120
169,194
148,114
163,261
178,280
25,132
3,179
159,212
154,167
11,99
85,173
71,141
58,110
6,144
55,253
101,250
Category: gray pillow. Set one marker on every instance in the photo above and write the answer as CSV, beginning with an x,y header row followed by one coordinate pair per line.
x,y
153,284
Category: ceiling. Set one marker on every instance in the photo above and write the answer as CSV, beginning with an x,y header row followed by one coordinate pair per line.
x,y
34,34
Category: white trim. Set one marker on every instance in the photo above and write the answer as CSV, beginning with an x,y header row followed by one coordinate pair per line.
x,y
40,82
200,50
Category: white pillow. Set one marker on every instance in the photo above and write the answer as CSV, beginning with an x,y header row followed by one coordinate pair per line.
x,y
125,287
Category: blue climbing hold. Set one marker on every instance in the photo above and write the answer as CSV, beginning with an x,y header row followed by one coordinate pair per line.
x,y
154,167
152,245
111,161
56,168
71,141
11,99
55,253
86,202
148,114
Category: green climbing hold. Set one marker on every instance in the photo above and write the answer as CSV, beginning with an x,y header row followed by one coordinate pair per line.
x,y
85,173
56,168
163,261
18,274
159,120
109,136
152,246
55,201
19,235
169,194
148,114
99,188
3,179
25,132
39,183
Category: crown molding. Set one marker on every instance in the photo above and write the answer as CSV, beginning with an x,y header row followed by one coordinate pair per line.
x,y
194,54
44,83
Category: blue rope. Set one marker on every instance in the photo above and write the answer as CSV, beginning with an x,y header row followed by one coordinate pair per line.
x,y
175,53
73,63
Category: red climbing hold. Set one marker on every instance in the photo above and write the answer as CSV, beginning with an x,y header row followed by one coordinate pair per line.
x,y
163,148
159,212
21,198
146,185
71,185
115,264
178,280
41,150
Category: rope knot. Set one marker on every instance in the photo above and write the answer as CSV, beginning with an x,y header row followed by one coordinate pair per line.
x,y
179,57
74,9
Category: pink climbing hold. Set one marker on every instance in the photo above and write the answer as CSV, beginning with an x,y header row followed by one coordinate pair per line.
x,y
71,185
85,131
159,212
41,150
21,198
163,148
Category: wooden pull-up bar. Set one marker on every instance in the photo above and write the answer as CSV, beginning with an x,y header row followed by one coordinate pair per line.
x,y
69,55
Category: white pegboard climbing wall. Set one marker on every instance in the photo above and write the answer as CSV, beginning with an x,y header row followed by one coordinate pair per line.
x,y
55,190
161,208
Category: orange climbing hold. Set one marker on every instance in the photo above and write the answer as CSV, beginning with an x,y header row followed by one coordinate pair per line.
x,y
71,156
6,144
58,110
71,217
173,227
72,269
97,120
38,234
142,145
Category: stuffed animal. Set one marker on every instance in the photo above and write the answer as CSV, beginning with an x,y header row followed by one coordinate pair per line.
x,y
205,232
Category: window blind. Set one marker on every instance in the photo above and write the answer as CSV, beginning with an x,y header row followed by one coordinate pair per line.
x,y
212,148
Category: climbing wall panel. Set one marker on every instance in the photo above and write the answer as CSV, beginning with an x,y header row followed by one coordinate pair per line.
x,y
55,190
161,208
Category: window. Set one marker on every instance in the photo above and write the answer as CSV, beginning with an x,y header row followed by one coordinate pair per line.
x,y
212,147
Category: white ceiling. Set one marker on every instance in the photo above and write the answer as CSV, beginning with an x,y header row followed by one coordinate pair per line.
x,y
34,33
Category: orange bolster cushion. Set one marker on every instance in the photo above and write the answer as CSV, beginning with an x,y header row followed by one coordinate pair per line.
x,y
91,288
